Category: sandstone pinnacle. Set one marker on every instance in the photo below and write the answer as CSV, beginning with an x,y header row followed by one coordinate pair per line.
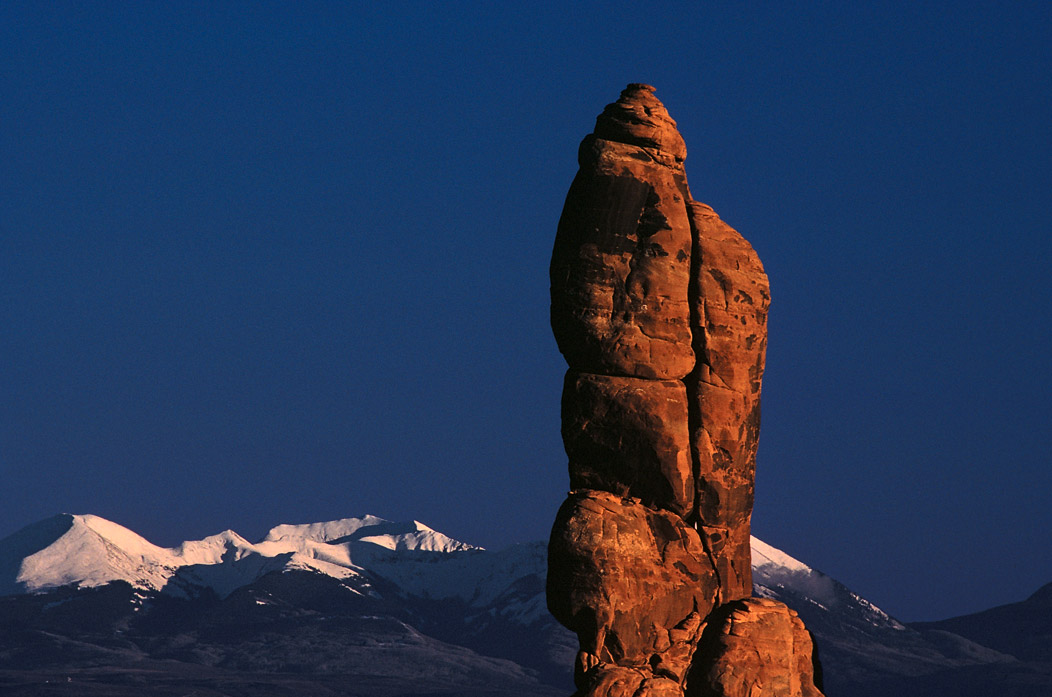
x,y
660,309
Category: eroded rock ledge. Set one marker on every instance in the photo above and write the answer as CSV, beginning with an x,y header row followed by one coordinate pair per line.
x,y
660,309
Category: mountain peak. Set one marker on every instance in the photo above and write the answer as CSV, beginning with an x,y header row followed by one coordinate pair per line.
x,y
323,532
88,550
79,549
764,554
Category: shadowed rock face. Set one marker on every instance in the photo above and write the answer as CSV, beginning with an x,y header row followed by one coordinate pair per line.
x,y
621,266
629,436
660,309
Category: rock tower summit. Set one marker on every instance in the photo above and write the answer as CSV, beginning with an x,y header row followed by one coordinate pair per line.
x,y
660,309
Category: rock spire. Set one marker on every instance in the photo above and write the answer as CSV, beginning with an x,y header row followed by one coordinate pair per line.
x,y
660,309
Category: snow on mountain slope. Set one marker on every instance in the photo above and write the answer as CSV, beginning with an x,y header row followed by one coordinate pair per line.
x,y
419,537
82,549
859,644
492,603
419,562
764,555
322,532
88,551
384,533
474,576
212,549
779,576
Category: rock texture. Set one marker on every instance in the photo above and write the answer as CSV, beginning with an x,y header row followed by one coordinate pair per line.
x,y
754,647
629,436
660,309
620,270
622,575
729,300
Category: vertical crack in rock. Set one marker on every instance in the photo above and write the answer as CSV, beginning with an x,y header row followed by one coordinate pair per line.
x,y
697,320
660,309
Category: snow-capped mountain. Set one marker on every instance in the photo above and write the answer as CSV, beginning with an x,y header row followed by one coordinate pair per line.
x,y
82,550
862,642
368,594
398,602
777,575
89,551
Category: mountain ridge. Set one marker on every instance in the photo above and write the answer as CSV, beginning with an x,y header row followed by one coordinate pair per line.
x,y
367,594
89,551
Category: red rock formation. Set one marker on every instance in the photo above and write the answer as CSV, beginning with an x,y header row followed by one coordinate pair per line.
x,y
660,309
755,647
629,436
622,575
729,300
620,270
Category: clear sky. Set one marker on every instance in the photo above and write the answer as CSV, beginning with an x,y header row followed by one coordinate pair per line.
x,y
270,263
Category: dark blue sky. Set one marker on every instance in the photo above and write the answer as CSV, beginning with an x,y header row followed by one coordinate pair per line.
x,y
275,262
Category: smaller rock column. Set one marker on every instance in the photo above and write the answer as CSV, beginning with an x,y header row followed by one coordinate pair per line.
x,y
730,295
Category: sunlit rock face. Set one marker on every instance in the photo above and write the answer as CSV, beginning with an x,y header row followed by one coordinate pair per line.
x,y
660,309
754,646
729,299
622,575
620,270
